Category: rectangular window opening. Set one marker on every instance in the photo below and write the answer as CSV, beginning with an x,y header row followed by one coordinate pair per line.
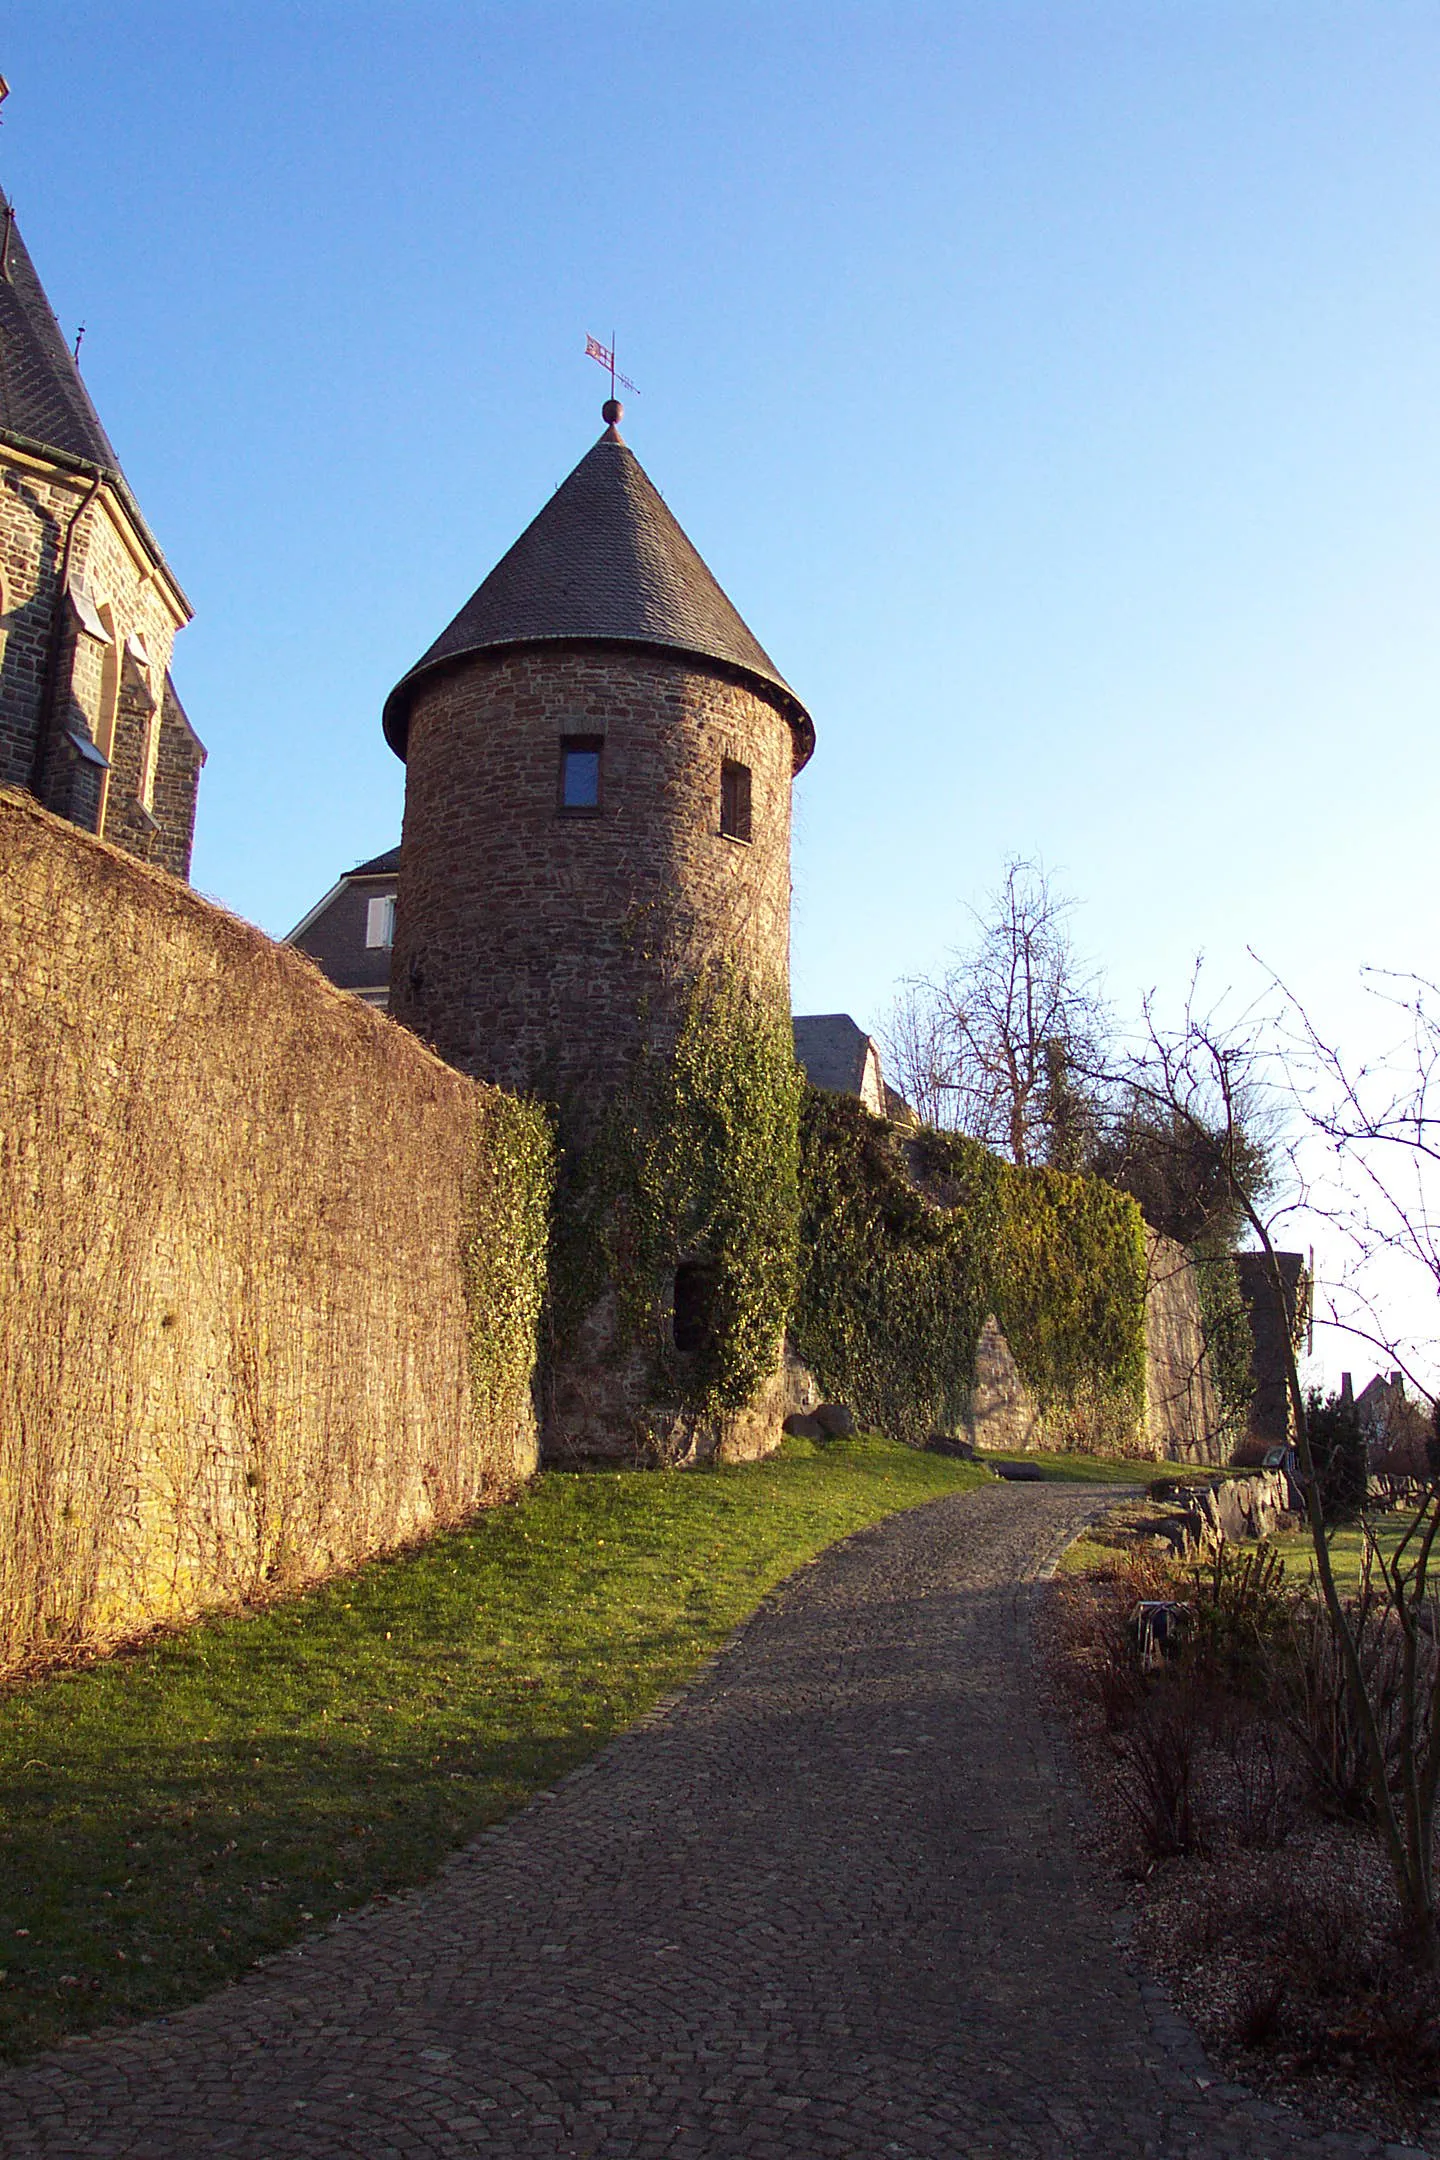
x,y
696,1285
380,922
580,773
735,800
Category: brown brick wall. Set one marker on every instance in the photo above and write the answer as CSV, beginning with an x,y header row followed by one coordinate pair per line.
x,y
177,783
235,1337
536,949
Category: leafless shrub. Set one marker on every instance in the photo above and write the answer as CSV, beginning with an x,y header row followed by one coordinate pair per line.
x,y
1320,1705
1257,2013
1263,1796
1098,1637
1242,1604
1159,1751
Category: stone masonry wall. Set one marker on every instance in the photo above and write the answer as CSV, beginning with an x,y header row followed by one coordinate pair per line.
x,y
537,949
542,950
1182,1410
1182,1415
254,1233
147,804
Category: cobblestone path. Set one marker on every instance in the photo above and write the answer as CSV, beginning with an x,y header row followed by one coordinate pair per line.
x,y
828,1904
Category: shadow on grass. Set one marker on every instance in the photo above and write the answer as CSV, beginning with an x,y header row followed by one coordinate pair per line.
x,y
1091,1469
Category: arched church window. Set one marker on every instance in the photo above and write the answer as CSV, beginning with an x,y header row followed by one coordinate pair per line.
x,y
138,651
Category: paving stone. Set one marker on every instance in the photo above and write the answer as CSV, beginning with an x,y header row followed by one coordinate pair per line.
x,y
829,1905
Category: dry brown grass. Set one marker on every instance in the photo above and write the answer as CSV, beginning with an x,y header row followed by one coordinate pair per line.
x,y
270,1271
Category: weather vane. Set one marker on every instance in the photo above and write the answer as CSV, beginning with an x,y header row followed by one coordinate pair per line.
x,y
605,354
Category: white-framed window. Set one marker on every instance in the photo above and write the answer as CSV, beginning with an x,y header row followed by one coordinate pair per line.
x,y
380,922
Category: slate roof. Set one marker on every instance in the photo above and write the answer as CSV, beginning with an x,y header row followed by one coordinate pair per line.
x,y
378,865
44,405
604,560
41,395
831,1047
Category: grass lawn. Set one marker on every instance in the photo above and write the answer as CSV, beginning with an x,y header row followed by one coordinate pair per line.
x,y
170,1816
1346,1547
1099,1546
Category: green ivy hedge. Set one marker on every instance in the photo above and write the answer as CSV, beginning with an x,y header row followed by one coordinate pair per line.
x,y
1229,1340
507,1213
907,1242
695,1159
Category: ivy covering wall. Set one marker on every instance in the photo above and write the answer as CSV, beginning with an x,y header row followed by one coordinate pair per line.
x,y
694,1162
907,1242
1229,1338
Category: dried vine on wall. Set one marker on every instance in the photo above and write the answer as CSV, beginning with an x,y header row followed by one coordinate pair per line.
x,y
271,1271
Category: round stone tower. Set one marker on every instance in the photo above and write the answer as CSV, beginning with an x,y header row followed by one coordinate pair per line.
x,y
597,802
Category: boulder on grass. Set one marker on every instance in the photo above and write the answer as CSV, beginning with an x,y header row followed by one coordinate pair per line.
x,y
800,1427
944,1443
835,1420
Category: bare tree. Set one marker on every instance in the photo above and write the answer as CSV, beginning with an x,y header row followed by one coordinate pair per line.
x,y
1001,1045
1382,1127
1378,1186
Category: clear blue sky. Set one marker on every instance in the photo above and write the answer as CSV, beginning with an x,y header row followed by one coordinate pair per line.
x,y
1052,387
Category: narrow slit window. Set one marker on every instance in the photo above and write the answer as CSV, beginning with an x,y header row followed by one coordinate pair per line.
x,y
695,1288
735,800
580,773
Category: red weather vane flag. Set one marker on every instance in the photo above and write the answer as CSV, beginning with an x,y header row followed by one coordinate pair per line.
x,y
605,354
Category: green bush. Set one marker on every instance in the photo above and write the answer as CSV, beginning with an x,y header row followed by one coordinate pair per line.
x,y
1337,1444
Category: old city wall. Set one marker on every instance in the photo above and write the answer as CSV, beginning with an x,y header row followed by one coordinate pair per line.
x,y
1182,1421
272,1272
537,949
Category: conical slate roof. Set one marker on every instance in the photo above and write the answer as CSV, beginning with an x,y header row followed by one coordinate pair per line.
x,y
42,398
604,560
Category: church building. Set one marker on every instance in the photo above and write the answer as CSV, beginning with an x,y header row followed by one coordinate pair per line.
x,y
89,608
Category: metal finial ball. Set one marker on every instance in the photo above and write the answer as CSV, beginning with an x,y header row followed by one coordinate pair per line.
x,y
612,412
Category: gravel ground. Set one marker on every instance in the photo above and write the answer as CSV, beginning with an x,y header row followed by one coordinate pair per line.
x,y
828,1903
